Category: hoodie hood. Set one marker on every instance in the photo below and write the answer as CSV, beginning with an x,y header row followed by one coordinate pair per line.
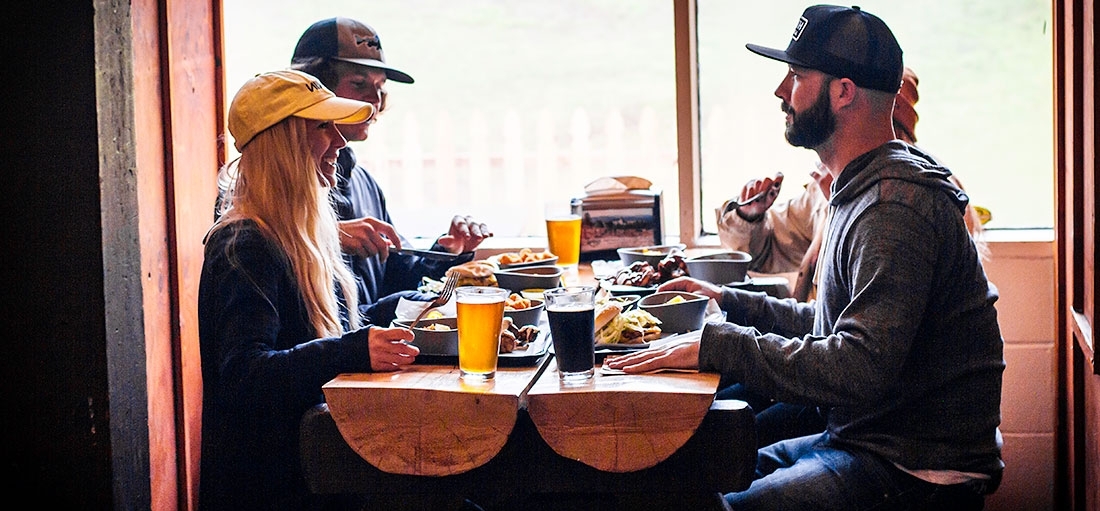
x,y
890,161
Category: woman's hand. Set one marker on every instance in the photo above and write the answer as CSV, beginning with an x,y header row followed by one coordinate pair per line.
x,y
676,356
390,349
464,235
691,285
367,237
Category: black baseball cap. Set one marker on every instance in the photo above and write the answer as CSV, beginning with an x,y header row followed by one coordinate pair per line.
x,y
845,42
347,40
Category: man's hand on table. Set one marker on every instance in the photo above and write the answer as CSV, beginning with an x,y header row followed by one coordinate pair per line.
x,y
675,356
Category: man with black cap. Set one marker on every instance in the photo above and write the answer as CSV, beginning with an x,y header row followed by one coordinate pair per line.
x,y
901,350
346,55
780,237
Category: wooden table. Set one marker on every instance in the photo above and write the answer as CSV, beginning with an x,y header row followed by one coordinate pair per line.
x,y
426,420
420,438
620,423
411,459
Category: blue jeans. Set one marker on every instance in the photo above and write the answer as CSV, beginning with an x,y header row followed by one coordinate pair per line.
x,y
776,421
811,473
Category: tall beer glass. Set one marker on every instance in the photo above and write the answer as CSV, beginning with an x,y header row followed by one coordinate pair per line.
x,y
480,317
563,233
572,314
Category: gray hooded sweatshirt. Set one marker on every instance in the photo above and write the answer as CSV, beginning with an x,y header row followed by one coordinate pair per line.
x,y
901,349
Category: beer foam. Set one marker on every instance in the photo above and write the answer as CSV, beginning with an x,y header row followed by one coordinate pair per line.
x,y
571,307
482,299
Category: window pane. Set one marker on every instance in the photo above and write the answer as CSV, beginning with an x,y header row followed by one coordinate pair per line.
x,y
985,98
515,101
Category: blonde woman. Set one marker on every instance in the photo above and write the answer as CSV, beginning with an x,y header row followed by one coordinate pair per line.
x,y
278,311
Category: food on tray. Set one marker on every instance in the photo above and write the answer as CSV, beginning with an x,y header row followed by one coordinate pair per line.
x,y
532,294
516,302
516,338
430,285
638,274
525,255
643,274
613,326
438,326
676,299
605,313
672,266
433,314
474,273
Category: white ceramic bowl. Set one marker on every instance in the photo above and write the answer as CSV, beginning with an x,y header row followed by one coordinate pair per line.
x,y
721,268
676,318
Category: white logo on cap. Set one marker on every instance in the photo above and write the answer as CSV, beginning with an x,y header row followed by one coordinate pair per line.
x,y
799,28
371,41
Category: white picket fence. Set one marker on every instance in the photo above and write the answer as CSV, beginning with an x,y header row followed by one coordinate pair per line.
x,y
502,170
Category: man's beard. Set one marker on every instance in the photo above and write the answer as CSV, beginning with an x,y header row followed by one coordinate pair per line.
x,y
813,126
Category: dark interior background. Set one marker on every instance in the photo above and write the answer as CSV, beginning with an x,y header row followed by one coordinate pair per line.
x,y
55,445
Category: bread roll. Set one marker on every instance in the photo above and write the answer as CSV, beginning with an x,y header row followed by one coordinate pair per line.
x,y
606,313
473,273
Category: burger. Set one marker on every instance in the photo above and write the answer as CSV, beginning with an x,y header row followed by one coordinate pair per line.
x,y
474,273
636,326
604,314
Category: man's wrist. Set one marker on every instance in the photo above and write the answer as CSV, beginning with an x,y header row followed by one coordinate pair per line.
x,y
748,218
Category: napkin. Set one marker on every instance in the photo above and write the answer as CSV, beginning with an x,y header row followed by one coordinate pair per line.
x,y
605,269
616,184
713,313
409,309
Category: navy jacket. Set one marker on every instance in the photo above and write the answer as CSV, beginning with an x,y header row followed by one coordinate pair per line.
x,y
262,368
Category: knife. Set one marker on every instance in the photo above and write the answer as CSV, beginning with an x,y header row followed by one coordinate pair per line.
x,y
429,254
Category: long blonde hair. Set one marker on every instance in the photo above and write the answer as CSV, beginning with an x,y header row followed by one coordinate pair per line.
x,y
276,185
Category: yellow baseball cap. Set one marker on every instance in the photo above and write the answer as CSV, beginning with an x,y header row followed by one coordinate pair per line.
x,y
268,98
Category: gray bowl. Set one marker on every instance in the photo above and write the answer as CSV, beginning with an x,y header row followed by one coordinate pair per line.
x,y
531,277
626,301
676,318
652,254
434,342
721,268
529,316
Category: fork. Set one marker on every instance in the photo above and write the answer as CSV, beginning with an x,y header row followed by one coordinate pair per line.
x,y
733,204
444,297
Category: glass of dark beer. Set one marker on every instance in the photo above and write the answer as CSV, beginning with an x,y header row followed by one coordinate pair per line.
x,y
571,311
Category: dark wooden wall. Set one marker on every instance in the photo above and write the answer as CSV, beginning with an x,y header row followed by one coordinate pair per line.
x,y
55,445
110,152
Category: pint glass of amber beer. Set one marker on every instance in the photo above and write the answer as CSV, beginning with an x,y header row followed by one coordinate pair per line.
x,y
563,233
480,317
